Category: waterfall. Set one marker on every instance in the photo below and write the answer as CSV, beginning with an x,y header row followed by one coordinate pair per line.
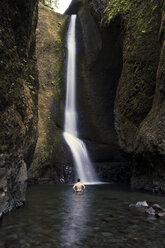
x,y
81,158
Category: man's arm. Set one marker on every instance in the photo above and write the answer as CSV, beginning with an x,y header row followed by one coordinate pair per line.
x,y
83,186
74,187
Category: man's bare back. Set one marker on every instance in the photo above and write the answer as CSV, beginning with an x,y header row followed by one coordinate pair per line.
x,y
79,187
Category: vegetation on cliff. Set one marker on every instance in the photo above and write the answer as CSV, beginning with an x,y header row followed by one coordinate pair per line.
x,y
120,65
140,27
18,98
136,104
123,71
50,46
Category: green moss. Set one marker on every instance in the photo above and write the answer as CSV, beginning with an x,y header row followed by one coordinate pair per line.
x,y
60,54
139,23
116,8
50,54
125,7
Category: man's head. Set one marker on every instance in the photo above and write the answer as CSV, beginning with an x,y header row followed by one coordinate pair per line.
x,y
78,180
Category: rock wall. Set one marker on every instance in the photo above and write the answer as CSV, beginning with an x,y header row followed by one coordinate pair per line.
x,y
149,147
139,103
120,93
99,66
18,98
49,164
120,87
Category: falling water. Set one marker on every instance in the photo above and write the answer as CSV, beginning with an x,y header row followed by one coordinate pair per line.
x,y
81,158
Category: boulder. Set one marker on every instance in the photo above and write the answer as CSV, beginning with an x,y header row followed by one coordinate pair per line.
x,y
150,211
141,204
157,207
161,215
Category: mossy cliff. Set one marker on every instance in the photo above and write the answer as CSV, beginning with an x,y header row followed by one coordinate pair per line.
x,y
49,162
99,66
120,85
18,98
139,103
149,146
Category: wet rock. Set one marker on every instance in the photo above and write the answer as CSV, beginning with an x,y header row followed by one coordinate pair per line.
x,y
139,204
161,215
18,98
3,158
52,158
1,215
157,207
132,205
2,172
119,172
99,54
19,204
150,211
149,145
62,180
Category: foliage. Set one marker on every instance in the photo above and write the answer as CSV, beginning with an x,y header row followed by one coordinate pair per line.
x,y
116,8
123,8
60,54
50,3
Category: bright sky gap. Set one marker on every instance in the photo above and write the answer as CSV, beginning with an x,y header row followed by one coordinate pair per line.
x,y
62,6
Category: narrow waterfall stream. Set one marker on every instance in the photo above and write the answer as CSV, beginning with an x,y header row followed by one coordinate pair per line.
x,y
81,158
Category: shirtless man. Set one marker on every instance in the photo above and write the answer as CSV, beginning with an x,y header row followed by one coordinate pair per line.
x,y
78,186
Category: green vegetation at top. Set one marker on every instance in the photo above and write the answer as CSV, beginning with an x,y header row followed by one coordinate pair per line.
x,y
123,7
50,3
60,54
117,7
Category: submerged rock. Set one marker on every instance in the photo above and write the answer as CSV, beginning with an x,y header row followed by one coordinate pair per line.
x,y
108,219
106,234
150,211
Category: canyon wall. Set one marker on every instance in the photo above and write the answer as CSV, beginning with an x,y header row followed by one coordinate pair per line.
x,y
120,93
139,103
18,98
120,88
149,146
50,163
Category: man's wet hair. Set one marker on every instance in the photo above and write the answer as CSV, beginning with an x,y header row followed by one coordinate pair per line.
x,y
78,180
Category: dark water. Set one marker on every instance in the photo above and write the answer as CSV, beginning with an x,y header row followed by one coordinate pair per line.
x,y
55,217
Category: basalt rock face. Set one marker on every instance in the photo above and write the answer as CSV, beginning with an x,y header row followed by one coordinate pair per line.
x,y
18,98
139,103
49,164
99,66
120,87
149,147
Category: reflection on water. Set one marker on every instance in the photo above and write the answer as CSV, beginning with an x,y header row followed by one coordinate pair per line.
x,y
75,222
55,217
